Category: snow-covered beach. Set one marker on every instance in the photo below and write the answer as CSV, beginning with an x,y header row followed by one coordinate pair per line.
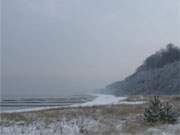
x,y
105,115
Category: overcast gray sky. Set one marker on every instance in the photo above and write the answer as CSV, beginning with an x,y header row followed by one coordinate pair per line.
x,y
65,46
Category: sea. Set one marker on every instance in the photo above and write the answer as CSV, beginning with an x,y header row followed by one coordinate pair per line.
x,y
21,104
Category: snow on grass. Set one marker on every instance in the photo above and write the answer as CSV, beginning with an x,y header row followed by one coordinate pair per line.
x,y
78,126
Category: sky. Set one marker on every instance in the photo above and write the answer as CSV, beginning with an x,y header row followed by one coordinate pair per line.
x,y
58,47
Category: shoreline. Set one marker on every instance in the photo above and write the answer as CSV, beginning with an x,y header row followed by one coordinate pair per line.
x,y
99,100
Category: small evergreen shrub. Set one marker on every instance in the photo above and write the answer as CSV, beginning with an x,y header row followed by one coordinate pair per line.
x,y
153,112
159,112
168,114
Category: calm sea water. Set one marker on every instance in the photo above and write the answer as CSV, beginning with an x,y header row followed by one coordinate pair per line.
x,y
16,103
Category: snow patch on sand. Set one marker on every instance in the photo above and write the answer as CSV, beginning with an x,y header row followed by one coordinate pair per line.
x,y
132,102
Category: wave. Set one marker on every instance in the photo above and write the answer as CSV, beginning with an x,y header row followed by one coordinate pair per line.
x,y
103,99
99,100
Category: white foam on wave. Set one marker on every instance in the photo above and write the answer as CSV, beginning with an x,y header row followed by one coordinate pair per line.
x,y
104,100
30,109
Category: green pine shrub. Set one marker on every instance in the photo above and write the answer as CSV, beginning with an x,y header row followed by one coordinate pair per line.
x,y
168,114
159,112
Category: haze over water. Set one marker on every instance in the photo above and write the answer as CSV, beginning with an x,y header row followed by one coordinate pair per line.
x,y
67,47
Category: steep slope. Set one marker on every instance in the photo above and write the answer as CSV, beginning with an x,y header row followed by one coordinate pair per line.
x,y
163,79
